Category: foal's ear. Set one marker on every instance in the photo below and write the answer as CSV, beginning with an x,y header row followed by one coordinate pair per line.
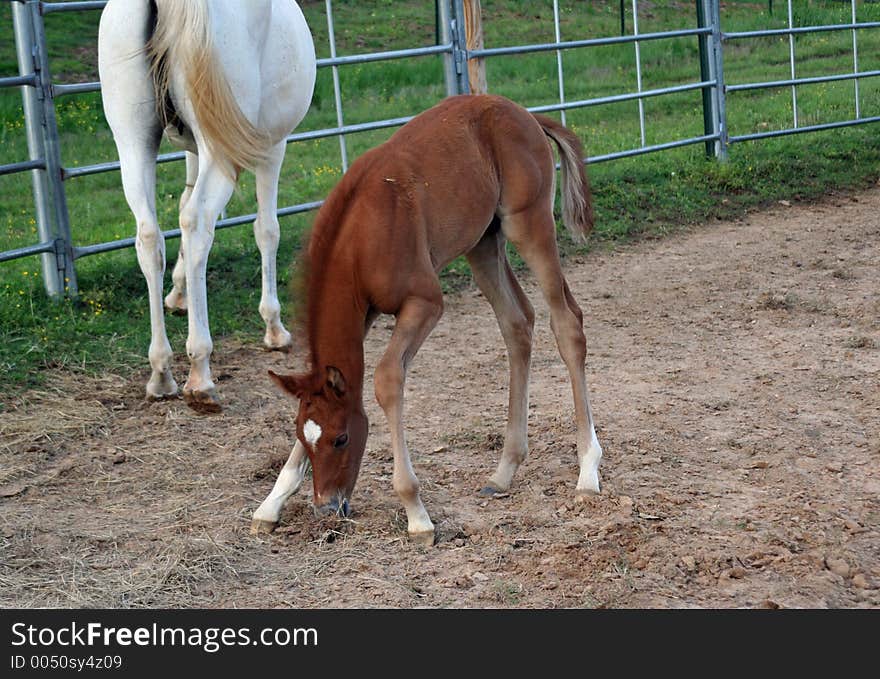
x,y
292,384
335,380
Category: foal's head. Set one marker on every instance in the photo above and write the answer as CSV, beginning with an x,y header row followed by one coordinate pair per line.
x,y
332,425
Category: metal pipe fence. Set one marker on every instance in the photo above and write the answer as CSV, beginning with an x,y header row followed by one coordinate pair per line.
x,y
50,202
49,176
792,31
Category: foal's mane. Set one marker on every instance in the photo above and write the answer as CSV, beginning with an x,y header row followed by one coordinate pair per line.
x,y
312,269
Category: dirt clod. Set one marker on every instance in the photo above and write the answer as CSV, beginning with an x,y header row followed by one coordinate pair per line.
x,y
737,572
837,566
854,526
861,581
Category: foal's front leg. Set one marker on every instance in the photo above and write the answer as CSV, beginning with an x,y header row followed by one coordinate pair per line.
x,y
289,480
416,319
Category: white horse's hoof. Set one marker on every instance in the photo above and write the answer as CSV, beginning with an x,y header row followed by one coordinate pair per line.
x,y
176,303
203,401
161,386
278,340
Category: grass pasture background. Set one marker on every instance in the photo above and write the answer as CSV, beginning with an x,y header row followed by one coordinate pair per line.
x,y
107,328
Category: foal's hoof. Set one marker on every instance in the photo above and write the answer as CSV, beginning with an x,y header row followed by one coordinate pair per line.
x,y
203,401
584,494
425,538
262,527
587,486
491,491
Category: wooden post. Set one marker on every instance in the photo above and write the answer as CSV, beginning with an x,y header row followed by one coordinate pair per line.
x,y
473,29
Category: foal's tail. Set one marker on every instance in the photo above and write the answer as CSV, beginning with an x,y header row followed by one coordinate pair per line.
x,y
577,207
182,39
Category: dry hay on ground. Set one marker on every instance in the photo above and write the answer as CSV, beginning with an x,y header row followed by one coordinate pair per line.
x,y
734,374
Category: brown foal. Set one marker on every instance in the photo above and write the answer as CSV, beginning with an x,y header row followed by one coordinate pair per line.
x,y
461,178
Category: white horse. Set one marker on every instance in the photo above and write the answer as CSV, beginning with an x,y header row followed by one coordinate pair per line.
x,y
227,80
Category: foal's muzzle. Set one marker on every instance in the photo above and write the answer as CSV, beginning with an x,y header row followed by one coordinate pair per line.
x,y
338,506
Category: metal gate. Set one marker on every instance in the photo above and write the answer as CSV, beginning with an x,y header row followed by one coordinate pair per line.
x,y
459,43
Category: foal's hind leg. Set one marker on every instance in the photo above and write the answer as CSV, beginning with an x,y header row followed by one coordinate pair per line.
x,y
415,320
516,319
534,235
267,233
175,301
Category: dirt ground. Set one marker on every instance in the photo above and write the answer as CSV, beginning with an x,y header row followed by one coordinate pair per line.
x,y
734,374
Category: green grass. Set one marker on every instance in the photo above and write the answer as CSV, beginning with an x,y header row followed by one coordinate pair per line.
x,y
107,328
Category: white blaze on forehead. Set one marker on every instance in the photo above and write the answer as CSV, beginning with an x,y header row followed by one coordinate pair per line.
x,y
312,432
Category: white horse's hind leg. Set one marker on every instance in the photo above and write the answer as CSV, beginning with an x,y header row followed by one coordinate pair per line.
x,y
129,104
175,301
211,193
267,233
138,181
289,480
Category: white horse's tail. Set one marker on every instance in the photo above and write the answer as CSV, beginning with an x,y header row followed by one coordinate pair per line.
x,y
182,39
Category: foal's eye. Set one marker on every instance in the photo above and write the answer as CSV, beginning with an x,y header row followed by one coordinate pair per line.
x,y
341,441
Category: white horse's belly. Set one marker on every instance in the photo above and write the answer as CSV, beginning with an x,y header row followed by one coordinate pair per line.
x,y
284,105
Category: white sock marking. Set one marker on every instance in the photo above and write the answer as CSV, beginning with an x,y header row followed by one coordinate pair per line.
x,y
588,479
288,482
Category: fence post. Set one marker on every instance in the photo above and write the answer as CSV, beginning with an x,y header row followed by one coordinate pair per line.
x,y
446,26
59,276
560,76
473,29
54,170
712,68
337,93
706,74
459,51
